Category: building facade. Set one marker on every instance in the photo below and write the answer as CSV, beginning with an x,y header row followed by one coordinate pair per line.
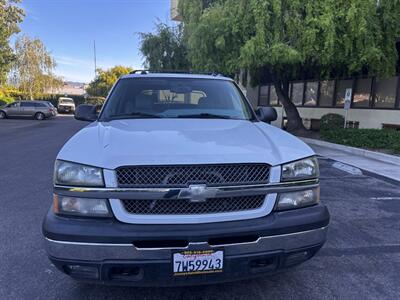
x,y
375,103
174,11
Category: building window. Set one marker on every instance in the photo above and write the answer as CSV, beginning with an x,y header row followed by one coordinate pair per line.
x,y
362,93
342,85
273,97
297,93
311,94
326,91
385,92
264,92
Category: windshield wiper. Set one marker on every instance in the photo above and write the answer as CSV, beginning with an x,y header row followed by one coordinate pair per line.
x,y
135,115
205,116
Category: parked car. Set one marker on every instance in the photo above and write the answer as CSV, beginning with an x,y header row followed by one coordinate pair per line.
x,y
52,107
66,105
29,108
179,182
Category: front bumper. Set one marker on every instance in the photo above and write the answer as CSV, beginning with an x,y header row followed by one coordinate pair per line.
x,y
66,109
252,247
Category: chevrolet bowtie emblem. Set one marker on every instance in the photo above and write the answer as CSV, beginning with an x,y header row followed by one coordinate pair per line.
x,y
197,193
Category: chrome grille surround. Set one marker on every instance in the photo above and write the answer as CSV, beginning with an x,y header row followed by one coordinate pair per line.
x,y
187,207
184,175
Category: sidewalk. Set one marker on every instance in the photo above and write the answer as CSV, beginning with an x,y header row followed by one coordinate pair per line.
x,y
381,164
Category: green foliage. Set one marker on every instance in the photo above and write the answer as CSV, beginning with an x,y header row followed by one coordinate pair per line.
x,y
164,50
364,138
105,79
10,16
331,122
214,35
8,94
33,68
332,130
95,100
5,100
293,38
396,147
283,40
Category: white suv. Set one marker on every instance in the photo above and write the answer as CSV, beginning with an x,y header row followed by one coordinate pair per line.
x,y
66,105
179,182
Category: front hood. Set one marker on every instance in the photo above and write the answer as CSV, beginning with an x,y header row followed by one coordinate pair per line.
x,y
181,141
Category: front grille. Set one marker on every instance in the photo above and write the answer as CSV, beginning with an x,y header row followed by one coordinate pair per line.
x,y
185,207
184,175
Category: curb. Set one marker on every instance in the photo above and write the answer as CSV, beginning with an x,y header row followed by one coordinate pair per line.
x,y
357,151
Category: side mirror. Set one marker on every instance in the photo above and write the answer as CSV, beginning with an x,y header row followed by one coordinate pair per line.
x,y
86,112
267,114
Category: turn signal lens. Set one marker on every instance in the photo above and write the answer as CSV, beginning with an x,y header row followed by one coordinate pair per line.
x,y
298,199
91,207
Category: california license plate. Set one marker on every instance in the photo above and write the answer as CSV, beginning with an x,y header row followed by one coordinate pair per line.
x,y
198,262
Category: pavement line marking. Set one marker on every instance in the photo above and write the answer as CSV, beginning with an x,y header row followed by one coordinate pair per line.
x,y
385,198
347,168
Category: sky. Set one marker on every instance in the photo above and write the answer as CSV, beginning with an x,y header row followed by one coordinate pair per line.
x,y
68,29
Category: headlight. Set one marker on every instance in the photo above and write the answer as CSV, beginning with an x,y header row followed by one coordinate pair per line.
x,y
298,199
302,169
90,207
68,173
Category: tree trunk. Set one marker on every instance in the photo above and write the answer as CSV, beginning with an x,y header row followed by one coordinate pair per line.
x,y
294,123
30,94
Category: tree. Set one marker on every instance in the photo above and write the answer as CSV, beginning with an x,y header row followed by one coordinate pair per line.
x,y
33,68
164,50
283,40
10,16
105,79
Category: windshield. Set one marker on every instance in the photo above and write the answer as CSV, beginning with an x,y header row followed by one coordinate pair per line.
x,y
66,101
175,98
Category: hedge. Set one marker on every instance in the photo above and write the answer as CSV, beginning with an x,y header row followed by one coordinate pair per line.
x,y
5,100
331,121
332,130
365,138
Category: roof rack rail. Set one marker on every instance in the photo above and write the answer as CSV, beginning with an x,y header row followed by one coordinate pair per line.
x,y
139,72
143,72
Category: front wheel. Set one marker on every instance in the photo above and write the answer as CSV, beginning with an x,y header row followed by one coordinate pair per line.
x,y
39,116
3,115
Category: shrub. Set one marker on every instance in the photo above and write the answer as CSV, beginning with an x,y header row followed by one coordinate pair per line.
x,y
396,147
331,122
8,94
364,138
95,100
5,100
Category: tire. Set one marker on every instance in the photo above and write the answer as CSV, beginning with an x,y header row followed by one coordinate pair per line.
x,y
39,116
2,115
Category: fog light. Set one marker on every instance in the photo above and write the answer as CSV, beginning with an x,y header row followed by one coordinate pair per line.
x,y
297,258
92,207
79,271
298,199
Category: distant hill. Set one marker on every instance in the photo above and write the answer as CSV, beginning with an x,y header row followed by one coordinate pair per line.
x,y
71,88
75,83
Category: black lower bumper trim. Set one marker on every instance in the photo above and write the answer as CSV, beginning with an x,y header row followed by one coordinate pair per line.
x,y
113,231
159,272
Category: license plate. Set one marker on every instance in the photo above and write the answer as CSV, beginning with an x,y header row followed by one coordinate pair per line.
x,y
198,262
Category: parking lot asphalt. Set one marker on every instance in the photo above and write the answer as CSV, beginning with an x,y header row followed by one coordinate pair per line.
x,y
361,259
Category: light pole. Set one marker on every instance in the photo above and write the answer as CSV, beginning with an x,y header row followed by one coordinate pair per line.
x,y
95,63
